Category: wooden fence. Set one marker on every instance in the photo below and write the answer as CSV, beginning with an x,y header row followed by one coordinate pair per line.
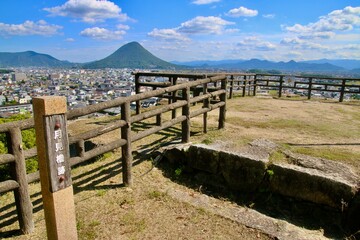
x,y
308,86
237,81
244,84
16,156
181,90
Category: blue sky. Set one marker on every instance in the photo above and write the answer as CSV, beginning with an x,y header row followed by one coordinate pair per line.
x,y
184,30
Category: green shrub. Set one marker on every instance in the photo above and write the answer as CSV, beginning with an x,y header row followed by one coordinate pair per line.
x,y
29,141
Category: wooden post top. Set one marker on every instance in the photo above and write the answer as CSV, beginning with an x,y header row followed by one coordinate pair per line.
x,y
49,105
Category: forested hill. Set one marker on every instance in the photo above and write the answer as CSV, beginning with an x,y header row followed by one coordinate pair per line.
x,y
30,59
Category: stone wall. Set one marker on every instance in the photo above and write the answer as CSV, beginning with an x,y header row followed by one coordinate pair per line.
x,y
321,182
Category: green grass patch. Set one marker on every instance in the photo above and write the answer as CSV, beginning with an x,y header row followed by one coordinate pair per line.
x,y
101,192
103,156
156,194
274,93
207,141
331,153
277,156
87,231
353,113
271,124
325,129
133,223
94,223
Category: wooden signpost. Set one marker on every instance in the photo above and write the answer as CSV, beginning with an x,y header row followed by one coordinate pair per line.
x,y
53,153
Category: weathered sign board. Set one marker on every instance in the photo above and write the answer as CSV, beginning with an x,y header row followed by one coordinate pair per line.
x,y
58,151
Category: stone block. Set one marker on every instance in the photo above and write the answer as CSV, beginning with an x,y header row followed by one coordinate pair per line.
x,y
310,185
241,172
204,158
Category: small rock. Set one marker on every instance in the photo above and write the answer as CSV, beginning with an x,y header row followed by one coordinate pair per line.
x,y
129,190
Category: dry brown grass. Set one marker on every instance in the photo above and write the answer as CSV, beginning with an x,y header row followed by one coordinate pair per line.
x,y
106,210
323,129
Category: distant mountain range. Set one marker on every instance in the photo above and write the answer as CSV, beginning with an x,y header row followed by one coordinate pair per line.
x,y
133,55
30,59
344,63
347,64
323,65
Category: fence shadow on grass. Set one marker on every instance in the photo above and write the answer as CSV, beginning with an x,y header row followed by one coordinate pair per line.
x,y
93,179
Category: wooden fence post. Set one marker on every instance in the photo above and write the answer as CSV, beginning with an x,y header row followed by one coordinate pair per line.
x,y
126,149
169,94
205,105
55,176
231,87
80,148
244,86
158,120
173,112
137,91
280,86
310,88
185,125
222,111
255,82
342,91
22,198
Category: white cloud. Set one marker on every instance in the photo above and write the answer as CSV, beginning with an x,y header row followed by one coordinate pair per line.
x,y
204,25
336,21
89,11
354,47
254,43
168,34
197,26
334,34
242,12
319,35
102,33
297,43
202,2
291,41
293,54
69,40
123,26
29,28
232,30
349,55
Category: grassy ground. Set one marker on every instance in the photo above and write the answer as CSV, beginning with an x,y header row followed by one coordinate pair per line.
x,y
107,210
324,129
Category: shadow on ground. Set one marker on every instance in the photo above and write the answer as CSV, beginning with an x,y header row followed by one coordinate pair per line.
x,y
90,180
300,213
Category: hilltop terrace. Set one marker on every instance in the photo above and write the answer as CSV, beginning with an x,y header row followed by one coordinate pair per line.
x,y
186,112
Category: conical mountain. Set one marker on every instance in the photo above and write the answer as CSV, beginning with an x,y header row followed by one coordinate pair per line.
x,y
131,55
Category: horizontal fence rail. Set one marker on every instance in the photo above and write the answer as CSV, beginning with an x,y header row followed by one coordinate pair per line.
x,y
182,92
309,85
16,156
252,84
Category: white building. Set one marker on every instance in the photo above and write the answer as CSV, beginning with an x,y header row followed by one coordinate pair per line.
x,y
18,76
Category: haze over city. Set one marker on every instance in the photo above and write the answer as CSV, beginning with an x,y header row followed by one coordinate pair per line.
x,y
87,30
